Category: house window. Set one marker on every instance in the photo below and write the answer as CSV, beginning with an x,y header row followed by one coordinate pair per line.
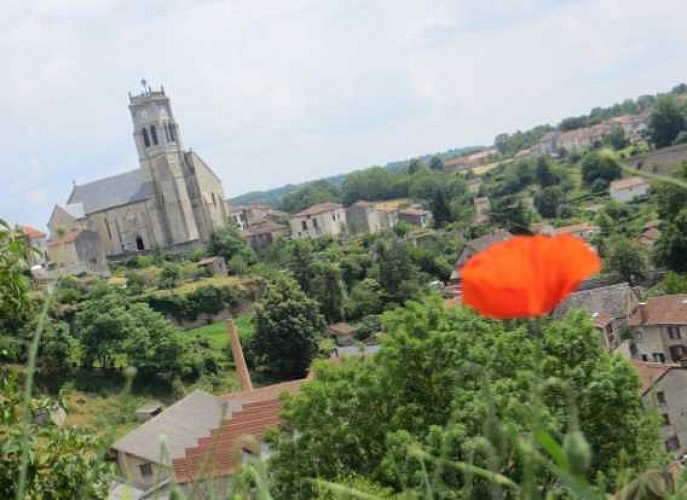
x,y
666,419
659,357
304,225
672,444
314,223
146,139
139,244
146,470
645,357
639,335
661,397
153,134
674,332
678,352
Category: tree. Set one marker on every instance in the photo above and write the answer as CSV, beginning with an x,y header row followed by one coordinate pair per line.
x,y
329,291
510,213
448,384
15,306
365,299
395,271
547,201
414,166
671,198
667,120
436,164
169,277
627,260
228,243
301,263
616,138
671,284
64,462
288,325
312,193
671,246
544,172
602,164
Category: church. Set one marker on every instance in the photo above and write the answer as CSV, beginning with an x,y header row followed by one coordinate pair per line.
x,y
172,201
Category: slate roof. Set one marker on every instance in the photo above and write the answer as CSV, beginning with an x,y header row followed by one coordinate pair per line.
x,y
76,210
665,310
175,429
608,300
121,189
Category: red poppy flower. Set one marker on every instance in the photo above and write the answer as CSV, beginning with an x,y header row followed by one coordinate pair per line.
x,y
526,275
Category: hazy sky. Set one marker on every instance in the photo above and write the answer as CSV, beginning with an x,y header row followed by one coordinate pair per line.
x,y
271,92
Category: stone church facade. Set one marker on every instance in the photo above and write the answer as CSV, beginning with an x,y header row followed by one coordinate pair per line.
x,y
173,200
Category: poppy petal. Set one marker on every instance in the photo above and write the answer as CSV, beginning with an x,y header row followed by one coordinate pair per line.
x,y
526,276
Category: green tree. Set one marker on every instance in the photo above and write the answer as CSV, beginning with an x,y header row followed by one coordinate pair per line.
x,y
667,120
365,299
671,198
616,138
603,165
301,263
288,325
510,213
102,325
15,306
671,246
414,166
169,277
626,259
228,243
547,201
671,284
436,163
447,384
329,291
312,193
395,271
64,462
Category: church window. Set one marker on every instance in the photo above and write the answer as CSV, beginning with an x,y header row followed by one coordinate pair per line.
x,y
109,231
139,244
166,127
146,139
153,134
172,132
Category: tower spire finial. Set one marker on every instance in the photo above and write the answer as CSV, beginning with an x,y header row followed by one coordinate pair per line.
x,y
144,83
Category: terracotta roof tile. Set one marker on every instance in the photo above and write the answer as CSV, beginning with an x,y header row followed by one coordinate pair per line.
x,y
665,310
650,373
629,183
319,208
32,233
575,228
68,237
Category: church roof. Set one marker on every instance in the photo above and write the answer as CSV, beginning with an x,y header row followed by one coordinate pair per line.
x,y
121,189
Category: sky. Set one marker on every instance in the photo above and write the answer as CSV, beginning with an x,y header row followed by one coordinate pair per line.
x,y
270,92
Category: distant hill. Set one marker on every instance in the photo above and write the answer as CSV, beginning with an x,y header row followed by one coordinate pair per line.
x,y
274,196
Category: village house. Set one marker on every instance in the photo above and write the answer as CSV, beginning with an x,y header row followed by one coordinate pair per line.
x,y
263,233
216,265
319,220
659,329
173,200
586,231
38,240
415,215
663,390
626,190
343,333
78,251
363,217
609,308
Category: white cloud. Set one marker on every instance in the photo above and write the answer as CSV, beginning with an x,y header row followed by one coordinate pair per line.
x,y
272,92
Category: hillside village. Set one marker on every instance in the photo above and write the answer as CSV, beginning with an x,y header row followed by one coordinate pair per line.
x,y
347,299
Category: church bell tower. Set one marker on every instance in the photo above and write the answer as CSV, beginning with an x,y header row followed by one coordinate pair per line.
x,y
161,157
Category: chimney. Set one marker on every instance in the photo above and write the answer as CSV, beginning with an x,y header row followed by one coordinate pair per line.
x,y
239,360
642,311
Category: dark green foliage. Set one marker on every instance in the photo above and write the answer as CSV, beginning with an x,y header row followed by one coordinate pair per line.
x,y
671,284
395,271
228,243
15,306
509,144
64,462
603,165
288,326
365,299
627,259
671,246
202,300
671,198
667,120
312,193
329,290
375,183
510,213
413,166
616,138
436,163
446,382
169,277
548,201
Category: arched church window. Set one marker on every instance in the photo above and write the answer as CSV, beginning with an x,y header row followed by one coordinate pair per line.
x,y
146,139
172,132
153,134
166,127
139,244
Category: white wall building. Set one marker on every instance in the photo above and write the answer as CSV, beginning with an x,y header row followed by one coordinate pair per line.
x,y
318,220
626,190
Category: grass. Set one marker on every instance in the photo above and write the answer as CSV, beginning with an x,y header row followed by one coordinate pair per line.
x,y
216,333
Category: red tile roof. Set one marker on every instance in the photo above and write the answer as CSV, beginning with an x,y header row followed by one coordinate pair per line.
x,y
629,183
576,228
319,208
219,454
650,373
665,310
32,233
68,237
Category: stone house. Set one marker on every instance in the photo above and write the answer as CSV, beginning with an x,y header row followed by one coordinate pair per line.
x,y
39,241
650,233
173,200
659,329
663,390
415,215
78,251
609,307
585,231
319,220
217,265
626,190
364,217
263,234
343,333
